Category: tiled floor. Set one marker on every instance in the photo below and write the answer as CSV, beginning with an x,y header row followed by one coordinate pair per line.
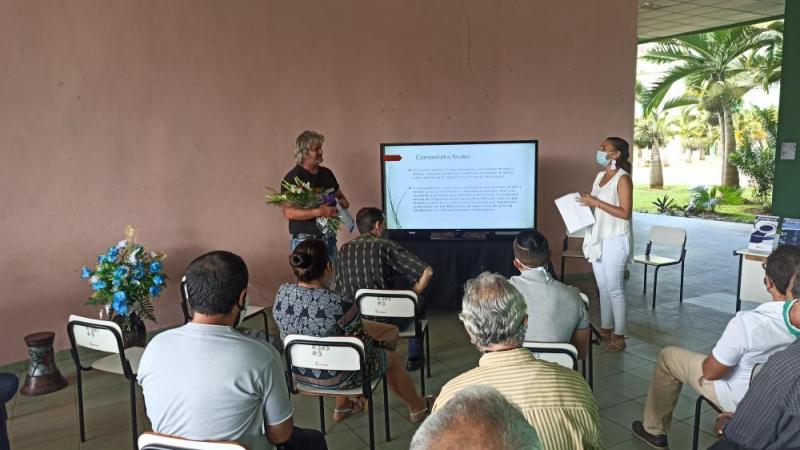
x,y
621,380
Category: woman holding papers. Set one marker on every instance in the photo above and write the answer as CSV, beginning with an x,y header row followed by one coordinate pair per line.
x,y
607,244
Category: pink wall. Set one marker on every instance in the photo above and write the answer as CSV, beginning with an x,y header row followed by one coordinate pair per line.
x,y
174,116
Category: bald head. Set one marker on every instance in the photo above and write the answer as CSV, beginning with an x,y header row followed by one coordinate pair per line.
x,y
477,417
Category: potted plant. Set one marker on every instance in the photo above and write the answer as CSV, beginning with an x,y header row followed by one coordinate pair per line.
x,y
125,280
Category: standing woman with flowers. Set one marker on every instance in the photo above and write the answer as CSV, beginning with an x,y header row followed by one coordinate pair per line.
x,y
607,244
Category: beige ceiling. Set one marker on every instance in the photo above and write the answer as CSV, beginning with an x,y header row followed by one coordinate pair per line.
x,y
662,18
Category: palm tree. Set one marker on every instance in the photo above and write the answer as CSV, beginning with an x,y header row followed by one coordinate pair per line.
x,y
653,131
691,126
713,64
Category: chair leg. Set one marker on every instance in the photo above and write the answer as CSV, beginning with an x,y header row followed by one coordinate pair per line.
x,y
321,415
591,366
371,421
696,431
562,268
422,372
134,431
386,408
644,285
266,323
655,286
428,349
79,388
681,298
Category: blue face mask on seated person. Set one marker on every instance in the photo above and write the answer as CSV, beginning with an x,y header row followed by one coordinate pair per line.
x,y
601,159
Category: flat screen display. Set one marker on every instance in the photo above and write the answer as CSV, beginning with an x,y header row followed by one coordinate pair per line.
x,y
460,185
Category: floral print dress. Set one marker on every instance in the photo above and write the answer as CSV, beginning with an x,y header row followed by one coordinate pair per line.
x,y
321,312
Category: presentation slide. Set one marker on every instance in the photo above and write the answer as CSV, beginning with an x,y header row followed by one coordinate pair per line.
x,y
475,186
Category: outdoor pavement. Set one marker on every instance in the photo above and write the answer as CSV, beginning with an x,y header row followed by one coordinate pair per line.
x,y
620,383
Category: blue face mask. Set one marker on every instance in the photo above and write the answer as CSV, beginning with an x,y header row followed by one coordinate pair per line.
x,y
600,156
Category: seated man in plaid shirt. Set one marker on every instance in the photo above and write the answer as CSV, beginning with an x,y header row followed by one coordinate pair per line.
x,y
371,261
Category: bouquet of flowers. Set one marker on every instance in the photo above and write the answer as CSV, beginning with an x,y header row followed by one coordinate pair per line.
x,y
125,279
301,195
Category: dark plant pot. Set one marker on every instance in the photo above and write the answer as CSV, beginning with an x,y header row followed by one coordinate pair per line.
x,y
134,333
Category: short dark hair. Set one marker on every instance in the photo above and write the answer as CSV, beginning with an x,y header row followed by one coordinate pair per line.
x,y
531,248
367,217
215,281
309,260
782,265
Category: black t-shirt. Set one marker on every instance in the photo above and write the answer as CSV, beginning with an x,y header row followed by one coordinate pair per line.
x,y
323,179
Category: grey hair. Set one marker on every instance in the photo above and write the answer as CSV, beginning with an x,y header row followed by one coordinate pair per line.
x,y
304,142
478,416
493,311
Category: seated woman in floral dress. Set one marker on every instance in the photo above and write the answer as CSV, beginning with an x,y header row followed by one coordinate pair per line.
x,y
307,307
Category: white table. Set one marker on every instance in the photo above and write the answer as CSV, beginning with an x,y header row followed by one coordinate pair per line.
x,y
750,285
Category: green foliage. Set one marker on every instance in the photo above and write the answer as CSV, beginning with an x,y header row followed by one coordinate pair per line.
x,y
703,199
665,204
731,195
756,155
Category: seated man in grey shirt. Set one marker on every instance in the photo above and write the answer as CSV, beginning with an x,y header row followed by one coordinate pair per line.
x,y
556,312
206,381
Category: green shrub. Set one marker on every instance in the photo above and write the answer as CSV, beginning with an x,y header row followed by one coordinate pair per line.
x,y
731,195
665,204
703,199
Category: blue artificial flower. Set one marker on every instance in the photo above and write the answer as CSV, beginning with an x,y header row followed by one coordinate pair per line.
x,y
116,283
138,272
101,258
158,280
120,296
97,285
113,252
85,272
154,291
120,272
120,307
155,266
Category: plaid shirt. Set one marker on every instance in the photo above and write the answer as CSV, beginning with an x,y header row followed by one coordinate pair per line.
x,y
369,262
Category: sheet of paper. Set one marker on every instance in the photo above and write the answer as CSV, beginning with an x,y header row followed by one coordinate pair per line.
x,y
575,215
347,219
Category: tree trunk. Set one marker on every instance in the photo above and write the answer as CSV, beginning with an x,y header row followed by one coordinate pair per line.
x,y
656,173
730,174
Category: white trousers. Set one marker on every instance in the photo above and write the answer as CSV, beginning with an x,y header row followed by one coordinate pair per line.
x,y
609,271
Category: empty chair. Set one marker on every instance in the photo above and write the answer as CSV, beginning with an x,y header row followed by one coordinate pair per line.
x,y
567,252
662,236
398,304
334,353
155,441
104,336
563,354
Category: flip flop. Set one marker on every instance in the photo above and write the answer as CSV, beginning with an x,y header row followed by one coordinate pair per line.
x,y
616,344
419,416
356,407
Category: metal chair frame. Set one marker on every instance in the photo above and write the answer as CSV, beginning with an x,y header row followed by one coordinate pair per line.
x,y
79,369
565,249
366,386
420,330
681,261
535,347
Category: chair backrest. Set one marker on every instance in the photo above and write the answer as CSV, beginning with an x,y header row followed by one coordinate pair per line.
x,y
101,335
556,352
330,353
155,441
386,303
667,235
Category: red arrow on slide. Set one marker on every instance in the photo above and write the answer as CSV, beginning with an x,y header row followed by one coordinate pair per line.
x,y
392,157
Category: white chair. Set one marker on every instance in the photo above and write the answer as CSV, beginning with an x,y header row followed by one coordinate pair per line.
x,y
398,304
663,236
155,441
249,312
334,353
556,352
104,336
567,252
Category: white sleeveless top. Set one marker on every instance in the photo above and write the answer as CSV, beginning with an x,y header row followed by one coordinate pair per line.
x,y
605,224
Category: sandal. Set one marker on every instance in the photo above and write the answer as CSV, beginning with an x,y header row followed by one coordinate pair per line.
x,y
616,344
356,406
418,416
